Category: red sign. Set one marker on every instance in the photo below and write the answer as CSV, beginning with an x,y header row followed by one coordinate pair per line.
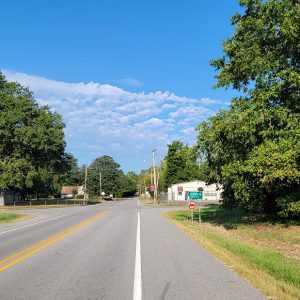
x,y
152,188
192,205
180,188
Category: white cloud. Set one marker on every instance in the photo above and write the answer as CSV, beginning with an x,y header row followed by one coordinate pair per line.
x,y
208,101
105,119
169,106
188,130
191,113
131,82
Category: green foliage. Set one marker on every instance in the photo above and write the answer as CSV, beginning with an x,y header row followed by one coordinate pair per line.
x,y
146,179
288,206
73,175
162,171
6,218
32,142
264,50
180,164
114,181
253,148
131,181
112,176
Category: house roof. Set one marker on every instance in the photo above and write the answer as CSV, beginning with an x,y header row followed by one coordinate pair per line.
x,y
192,181
70,189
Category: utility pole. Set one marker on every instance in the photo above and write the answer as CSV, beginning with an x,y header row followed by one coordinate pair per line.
x,y
154,176
85,178
100,182
157,187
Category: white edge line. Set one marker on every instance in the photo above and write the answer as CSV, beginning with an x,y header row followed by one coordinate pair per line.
x,y
47,220
137,289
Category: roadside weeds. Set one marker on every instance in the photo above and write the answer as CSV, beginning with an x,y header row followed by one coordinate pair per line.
x,y
245,249
6,218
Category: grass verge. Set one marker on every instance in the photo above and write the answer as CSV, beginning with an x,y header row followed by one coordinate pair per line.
x,y
7,218
164,204
258,250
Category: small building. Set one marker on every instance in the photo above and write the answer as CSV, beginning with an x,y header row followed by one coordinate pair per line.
x,y
72,191
180,191
8,197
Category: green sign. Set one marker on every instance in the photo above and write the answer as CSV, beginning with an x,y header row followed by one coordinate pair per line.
x,y
195,195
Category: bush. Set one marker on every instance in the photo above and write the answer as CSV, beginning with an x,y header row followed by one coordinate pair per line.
x,y
289,206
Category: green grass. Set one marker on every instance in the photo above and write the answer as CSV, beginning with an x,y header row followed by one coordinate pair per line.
x,y
233,218
254,246
273,262
6,217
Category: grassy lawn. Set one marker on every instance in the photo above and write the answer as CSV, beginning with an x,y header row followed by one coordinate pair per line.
x,y
265,251
6,218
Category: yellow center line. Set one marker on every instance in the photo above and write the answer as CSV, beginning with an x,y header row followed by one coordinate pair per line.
x,y
50,238
47,242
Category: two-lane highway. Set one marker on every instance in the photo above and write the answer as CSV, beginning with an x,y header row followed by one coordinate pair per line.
x,y
117,250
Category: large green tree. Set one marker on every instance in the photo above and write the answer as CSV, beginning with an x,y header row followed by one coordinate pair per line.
x,y
146,177
73,175
253,148
130,184
112,177
180,164
32,147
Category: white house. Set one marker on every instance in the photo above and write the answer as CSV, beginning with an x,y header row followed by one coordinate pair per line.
x,y
72,191
180,191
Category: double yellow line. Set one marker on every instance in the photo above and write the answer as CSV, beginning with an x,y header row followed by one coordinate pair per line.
x,y
25,253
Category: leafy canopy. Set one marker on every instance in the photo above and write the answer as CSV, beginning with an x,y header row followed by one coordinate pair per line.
x,y
180,164
253,148
113,179
32,148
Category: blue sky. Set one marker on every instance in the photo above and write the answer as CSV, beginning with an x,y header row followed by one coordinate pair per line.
x,y
127,76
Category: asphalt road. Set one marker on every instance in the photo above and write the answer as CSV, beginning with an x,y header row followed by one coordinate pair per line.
x,y
117,250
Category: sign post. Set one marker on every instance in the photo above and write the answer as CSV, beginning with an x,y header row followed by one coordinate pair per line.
x,y
197,196
192,205
199,214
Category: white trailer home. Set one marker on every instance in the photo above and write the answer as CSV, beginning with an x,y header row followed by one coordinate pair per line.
x,y
180,191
